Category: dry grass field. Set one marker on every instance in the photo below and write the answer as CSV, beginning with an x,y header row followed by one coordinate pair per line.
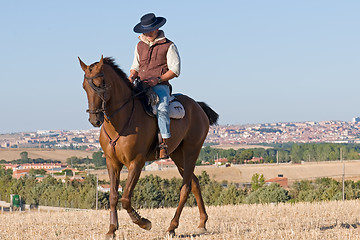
x,y
10,154
325,220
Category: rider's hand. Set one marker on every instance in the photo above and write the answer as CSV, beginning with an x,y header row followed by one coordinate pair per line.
x,y
152,81
132,78
133,75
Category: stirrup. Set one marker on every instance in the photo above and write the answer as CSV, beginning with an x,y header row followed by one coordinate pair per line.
x,y
163,153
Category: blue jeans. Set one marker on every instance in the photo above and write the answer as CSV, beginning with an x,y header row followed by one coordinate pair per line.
x,y
163,118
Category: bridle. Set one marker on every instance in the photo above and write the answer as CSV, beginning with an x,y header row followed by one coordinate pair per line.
x,y
101,91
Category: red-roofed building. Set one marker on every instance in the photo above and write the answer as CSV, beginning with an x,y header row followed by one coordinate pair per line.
x,y
255,160
11,166
20,173
282,181
221,161
42,165
34,166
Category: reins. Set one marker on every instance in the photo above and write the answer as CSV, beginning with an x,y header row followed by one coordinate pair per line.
x,y
112,142
119,109
100,91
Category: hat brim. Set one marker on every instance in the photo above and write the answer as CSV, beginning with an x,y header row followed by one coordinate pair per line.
x,y
159,22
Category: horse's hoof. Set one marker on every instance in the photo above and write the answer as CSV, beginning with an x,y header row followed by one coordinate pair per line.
x,y
145,224
110,236
111,233
170,234
201,230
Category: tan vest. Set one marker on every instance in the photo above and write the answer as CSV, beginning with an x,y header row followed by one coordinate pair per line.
x,y
152,60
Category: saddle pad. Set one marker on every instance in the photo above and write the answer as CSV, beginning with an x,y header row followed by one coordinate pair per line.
x,y
176,109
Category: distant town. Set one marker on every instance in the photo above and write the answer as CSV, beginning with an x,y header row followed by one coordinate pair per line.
x,y
297,132
59,139
266,133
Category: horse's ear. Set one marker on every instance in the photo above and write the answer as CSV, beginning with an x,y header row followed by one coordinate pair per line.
x,y
100,64
101,61
83,65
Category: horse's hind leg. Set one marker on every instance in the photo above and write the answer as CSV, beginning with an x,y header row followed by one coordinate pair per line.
x,y
195,188
114,175
184,193
190,183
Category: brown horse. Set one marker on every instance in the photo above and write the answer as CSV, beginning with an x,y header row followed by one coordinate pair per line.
x,y
129,137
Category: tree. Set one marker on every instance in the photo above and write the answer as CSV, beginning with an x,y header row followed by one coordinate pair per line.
x,y
246,155
295,153
24,156
257,181
333,156
98,159
210,189
4,172
269,194
68,172
34,172
352,155
231,195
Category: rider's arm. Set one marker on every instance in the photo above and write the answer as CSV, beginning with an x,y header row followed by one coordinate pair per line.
x,y
167,76
134,70
173,60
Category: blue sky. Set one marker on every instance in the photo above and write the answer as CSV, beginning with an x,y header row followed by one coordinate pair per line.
x,y
252,61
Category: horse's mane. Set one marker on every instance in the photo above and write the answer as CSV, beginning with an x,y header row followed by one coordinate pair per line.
x,y
111,62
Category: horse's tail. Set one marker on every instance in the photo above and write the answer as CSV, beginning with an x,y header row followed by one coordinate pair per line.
x,y
211,114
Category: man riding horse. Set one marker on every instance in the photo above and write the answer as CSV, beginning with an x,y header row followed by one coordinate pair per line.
x,y
156,61
128,133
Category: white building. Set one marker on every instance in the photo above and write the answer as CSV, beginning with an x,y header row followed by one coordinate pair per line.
x,y
160,165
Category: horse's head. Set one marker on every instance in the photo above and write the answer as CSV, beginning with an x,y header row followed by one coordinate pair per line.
x,y
94,85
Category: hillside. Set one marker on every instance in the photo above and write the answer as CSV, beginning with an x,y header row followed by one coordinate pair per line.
x,y
243,173
235,173
9,154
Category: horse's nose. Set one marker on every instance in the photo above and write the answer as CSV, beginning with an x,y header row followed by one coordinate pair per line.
x,y
96,119
95,123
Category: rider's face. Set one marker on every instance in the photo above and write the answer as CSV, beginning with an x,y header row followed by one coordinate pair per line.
x,y
151,35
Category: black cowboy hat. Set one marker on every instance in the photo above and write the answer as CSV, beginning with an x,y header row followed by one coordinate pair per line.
x,y
149,22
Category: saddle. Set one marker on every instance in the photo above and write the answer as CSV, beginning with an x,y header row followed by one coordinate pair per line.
x,y
150,99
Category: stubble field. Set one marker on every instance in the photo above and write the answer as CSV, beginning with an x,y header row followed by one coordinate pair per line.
x,y
10,154
326,220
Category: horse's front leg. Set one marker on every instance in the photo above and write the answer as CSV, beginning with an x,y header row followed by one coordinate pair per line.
x,y
114,175
133,177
